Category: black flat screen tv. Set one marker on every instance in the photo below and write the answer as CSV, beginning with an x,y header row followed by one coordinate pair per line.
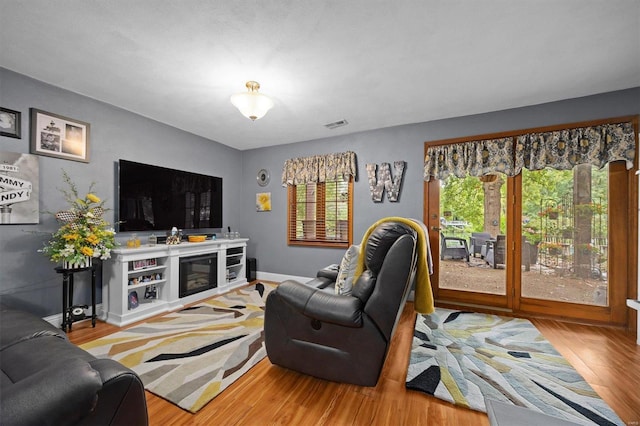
x,y
153,198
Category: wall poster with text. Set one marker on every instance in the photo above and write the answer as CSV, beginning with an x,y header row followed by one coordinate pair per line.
x,y
19,196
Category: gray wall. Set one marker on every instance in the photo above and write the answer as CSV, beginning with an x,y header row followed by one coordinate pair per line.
x,y
267,230
27,278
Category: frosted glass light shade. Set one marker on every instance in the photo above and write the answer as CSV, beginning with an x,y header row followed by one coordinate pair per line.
x,y
252,104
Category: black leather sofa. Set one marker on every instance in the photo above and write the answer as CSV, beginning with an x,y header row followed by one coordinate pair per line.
x,y
47,380
344,338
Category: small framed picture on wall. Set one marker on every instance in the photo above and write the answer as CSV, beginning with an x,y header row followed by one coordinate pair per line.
x,y
57,136
10,123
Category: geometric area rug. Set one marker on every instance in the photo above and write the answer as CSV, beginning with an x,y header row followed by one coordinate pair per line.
x,y
464,357
190,356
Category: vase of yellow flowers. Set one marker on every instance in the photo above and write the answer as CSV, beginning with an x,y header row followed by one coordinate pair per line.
x,y
84,234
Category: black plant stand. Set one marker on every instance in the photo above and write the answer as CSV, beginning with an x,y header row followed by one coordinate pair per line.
x,y
67,295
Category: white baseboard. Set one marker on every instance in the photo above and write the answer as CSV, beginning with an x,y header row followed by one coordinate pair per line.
x,y
56,320
268,276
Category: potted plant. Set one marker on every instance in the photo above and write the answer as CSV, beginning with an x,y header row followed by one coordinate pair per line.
x,y
567,232
551,248
83,234
587,248
551,212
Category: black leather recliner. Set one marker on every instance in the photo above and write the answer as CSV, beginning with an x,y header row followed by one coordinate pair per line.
x,y
47,380
345,338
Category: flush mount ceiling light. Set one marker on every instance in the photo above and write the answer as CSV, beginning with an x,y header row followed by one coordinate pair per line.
x,y
252,104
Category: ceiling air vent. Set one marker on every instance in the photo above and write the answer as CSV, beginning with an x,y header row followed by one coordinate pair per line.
x,y
336,124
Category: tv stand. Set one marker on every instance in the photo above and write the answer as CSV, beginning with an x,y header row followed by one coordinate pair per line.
x,y
142,282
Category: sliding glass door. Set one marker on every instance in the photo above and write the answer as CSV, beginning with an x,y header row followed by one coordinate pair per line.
x,y
542,242
565,235
473,225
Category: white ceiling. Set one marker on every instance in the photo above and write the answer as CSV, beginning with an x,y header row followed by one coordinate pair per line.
x,y
374,63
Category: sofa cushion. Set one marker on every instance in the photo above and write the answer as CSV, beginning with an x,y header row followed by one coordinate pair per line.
x,y
18,326
66,390
344,281
28,357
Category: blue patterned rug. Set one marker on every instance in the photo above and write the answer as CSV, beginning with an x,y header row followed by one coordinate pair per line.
x,y
463,357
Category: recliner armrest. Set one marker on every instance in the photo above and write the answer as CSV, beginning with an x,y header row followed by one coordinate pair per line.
x,y
330,272
122,398
321,305
60,394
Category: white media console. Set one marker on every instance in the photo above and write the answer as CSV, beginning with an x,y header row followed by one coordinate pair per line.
x,y
155,271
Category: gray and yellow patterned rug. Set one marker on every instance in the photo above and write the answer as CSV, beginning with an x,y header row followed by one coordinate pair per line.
x,y
190,356
464,357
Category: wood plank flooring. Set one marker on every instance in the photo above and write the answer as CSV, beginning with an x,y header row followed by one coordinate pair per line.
x,y
608,359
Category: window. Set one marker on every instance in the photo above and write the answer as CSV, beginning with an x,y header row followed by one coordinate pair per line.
x,y
320,214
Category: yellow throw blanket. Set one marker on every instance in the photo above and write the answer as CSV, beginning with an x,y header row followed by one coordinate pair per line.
x,y
423,302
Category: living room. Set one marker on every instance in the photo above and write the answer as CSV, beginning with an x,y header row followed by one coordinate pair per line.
x,y
28,278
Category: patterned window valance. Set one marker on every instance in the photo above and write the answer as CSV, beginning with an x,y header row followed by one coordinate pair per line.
x,y
561,149
319,168
564,149
475,158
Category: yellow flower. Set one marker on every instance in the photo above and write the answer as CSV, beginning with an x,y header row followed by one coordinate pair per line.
x,y
93,198
93,239
264,201
84,232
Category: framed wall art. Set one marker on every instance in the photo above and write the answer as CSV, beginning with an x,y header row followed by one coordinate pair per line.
x,y
57,136
263,202
10,124
19,197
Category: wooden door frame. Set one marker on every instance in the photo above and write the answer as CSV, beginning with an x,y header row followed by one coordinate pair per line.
x,y
625,270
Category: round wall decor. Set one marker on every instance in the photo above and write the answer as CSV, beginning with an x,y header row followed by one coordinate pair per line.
x,y
263,177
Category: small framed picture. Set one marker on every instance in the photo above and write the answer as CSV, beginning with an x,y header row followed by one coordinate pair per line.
x,y
151,262
139,264
56,136
263,202
10,123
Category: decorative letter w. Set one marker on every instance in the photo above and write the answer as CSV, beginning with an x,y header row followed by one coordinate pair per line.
x,y
378,185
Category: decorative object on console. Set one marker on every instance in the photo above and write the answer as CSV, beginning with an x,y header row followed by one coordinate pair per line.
x,y
252,104
57,136
19,198
133,241
150,292
196,238
84,232
263,202
10,123
133,300
174,238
